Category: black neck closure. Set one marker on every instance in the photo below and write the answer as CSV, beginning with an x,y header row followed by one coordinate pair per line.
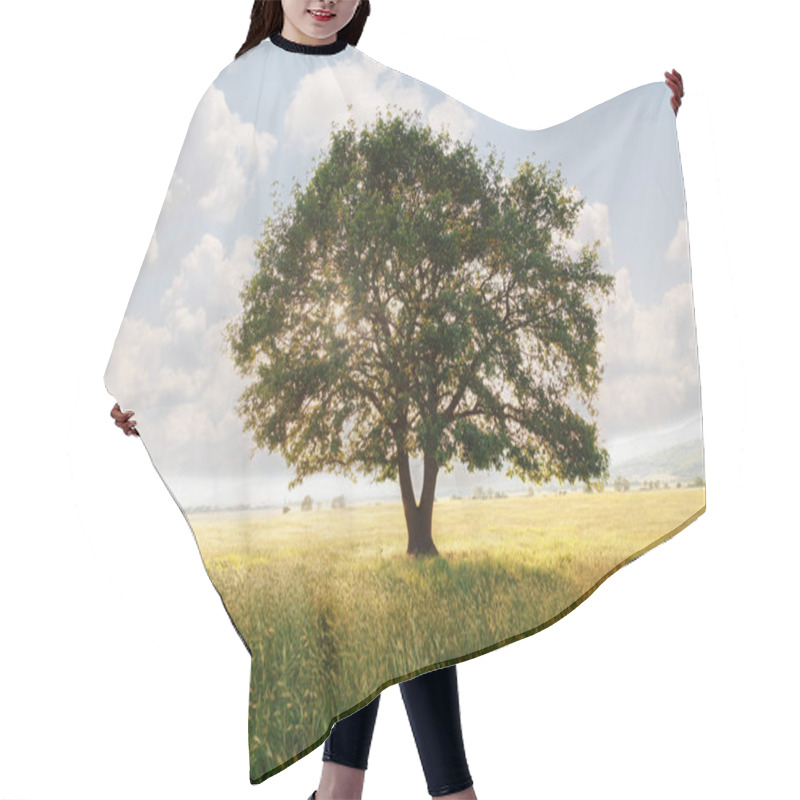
x,y
311,49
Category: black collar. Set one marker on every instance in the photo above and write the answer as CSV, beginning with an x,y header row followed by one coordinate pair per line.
x,y
311,49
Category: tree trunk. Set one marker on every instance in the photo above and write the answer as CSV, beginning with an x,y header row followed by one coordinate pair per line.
x,y
419,517
420,538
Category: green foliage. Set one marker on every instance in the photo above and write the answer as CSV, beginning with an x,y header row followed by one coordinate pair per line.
x,y
412,300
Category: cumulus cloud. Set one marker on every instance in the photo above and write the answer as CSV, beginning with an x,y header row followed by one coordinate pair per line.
x,y
678,249
593,224
317,102
651,378
180,363
453,117
212,178
209,281
168,349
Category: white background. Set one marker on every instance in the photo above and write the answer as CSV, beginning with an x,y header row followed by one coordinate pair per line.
x,y
120,673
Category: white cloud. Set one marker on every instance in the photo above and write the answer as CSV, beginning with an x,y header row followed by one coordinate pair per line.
x,y
317,102
678,249
210,281
593,224
454,117
651,378
212,176
180,363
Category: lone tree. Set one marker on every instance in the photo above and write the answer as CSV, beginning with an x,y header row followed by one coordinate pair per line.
x,y
413,301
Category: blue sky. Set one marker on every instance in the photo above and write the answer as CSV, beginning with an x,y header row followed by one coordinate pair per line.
x,y
247,132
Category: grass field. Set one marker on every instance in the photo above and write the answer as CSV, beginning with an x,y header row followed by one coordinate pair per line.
x,y
333,610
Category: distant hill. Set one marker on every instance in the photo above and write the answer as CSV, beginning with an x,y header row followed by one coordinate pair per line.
x,y
682,462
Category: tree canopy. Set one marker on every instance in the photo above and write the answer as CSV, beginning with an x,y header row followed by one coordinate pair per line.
x,y
414,301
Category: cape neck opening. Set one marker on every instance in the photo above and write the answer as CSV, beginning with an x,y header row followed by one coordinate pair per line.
x,y
310,49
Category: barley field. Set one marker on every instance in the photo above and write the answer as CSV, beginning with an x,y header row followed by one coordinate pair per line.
x,y
333,610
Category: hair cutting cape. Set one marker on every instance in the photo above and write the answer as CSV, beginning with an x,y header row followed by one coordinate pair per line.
x,y
419,381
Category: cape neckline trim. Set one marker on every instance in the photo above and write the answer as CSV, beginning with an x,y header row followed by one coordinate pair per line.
x,y
310,49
